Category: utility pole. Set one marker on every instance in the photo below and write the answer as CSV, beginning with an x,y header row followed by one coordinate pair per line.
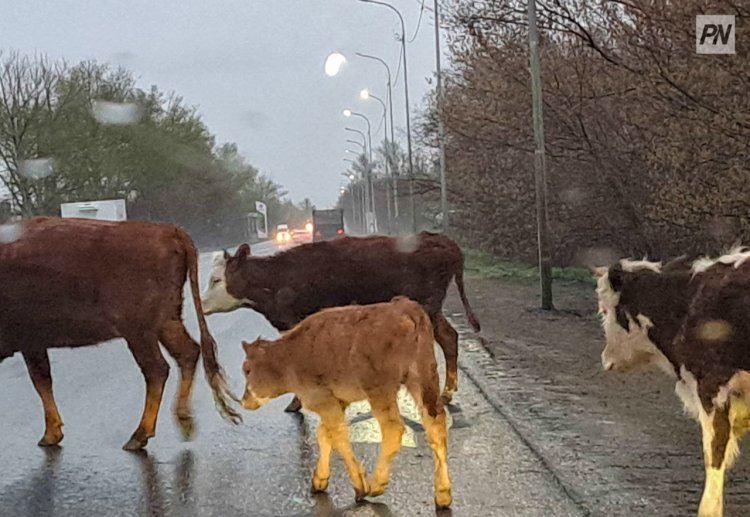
x,y
441,129
540,172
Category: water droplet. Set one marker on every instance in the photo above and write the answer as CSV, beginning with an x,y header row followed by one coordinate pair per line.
x,y
597,256
10,232
116,113
573,196
407,243
36,169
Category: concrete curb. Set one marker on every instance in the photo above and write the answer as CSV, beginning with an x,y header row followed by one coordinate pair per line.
x,y
471,358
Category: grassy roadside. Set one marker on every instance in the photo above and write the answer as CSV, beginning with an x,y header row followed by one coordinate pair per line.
x,y
479,264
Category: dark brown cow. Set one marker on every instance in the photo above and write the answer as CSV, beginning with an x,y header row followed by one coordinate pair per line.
x,y
346,354
77,282
695,325
289,286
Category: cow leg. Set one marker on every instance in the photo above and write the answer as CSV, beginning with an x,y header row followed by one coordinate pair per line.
x,y
719,450
294,406
392,430
155,371
332,417
39,370
186,352
447,338
436,428
323,468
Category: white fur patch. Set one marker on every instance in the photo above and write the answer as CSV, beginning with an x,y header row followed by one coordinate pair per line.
x,y
216,298
736,256
217,259
633,266
687,390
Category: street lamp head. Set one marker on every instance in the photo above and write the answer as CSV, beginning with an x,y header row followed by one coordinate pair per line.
x,y
334,62
347,113
364,94
351,177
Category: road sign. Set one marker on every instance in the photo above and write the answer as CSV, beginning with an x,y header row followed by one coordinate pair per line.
x,y
260,206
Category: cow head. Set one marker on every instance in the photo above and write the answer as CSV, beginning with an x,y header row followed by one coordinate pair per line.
x,y
628,344
216,297
253,352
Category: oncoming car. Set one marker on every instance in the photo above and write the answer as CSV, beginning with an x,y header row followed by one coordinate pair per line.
x,y
283,236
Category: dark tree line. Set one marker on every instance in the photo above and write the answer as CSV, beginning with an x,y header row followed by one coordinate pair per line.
x,y
85,132
648,142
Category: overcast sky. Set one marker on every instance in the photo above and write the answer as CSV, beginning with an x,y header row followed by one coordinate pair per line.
x,y
254,68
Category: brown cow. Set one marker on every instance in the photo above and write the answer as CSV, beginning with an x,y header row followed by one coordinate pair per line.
x,y
346,354
693,324
78,282
291,285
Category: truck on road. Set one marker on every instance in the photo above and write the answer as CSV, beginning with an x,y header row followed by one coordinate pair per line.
x,y
327,224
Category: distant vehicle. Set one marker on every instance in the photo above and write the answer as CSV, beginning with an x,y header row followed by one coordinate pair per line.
x,y
283,235
301,236
327,224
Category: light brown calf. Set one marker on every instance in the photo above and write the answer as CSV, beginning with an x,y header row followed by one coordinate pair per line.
x,y
346,354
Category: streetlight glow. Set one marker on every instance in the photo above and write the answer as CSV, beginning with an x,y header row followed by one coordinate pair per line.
x,y
334,62
364,94
347,113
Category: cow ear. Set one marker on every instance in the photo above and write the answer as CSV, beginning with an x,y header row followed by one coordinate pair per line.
x,y
615,276
243,252
227,256
247,347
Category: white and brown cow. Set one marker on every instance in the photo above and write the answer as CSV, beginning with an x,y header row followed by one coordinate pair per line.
x,y
694,324
346,354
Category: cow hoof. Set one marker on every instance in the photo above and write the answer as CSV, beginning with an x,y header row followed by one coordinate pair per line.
x,y
360,494
135,444
319,484
446,397
294,407
187,427
377,489
443,499
50,440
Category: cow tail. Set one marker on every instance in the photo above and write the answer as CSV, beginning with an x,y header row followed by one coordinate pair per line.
x,y
459,279
214,373
427,365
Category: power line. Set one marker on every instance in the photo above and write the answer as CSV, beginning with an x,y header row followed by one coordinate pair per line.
x,y
419,23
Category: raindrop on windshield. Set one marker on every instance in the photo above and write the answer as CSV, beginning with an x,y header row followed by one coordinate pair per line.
x,y
597,256
10,232
36,169
116,113
407,243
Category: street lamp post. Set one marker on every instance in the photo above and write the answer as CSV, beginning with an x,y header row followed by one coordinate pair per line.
x,y
363,145
371,224
393,138
441,129
352,190
350,141
361,195
408,118
364,137
365,95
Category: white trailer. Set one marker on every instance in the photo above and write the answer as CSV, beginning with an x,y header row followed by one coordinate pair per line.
x,y
104,210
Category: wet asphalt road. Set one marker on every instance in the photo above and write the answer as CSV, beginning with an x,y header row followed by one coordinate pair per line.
x,y
260,468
